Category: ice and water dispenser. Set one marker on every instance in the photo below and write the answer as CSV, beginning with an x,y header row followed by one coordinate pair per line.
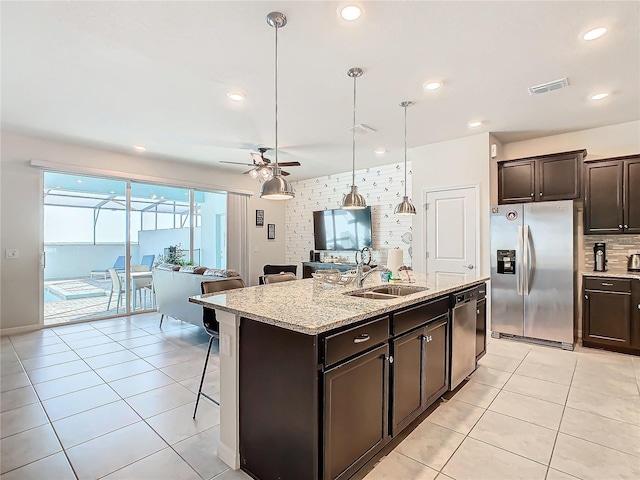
x,y
506,262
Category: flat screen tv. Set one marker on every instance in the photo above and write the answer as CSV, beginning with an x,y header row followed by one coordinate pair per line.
x,y
342,229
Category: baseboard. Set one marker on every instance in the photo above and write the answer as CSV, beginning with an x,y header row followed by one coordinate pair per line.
x,y
228,456
18,330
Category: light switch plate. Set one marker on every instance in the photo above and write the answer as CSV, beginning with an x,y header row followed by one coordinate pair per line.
x,y
12,253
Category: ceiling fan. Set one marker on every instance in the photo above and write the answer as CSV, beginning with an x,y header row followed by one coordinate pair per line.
x,y
262,167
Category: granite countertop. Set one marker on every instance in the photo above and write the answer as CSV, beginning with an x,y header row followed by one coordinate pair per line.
x,y
310,307
614,273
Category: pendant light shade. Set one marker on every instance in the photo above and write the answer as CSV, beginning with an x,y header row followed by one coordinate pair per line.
x,y
353,200
276,187
405,207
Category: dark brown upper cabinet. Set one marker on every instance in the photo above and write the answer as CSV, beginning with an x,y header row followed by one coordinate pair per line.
x,y
612,196
542,178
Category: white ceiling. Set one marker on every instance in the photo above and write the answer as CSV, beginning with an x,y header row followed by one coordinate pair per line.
x,y
113,74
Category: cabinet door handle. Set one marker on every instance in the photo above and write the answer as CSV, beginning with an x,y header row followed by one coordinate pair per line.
x,y
586,297
626,227
639,306
540,193
424,338
532,194
390,359
604,284
477,312
620,227
362,338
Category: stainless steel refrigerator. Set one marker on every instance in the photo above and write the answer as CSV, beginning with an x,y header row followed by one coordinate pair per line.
x,y
533,265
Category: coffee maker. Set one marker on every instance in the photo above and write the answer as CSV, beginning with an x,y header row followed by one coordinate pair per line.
x,y
600,257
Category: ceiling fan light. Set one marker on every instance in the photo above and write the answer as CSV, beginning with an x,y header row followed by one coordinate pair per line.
x,y
405,207
254,173
277,188
266,173
353,200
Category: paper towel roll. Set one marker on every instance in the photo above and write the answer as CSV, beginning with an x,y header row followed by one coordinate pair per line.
x,y
395,261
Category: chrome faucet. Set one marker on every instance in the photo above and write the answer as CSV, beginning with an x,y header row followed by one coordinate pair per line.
x,y
361,276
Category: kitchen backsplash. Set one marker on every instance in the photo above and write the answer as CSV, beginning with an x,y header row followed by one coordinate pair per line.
x,y
618,247
382,187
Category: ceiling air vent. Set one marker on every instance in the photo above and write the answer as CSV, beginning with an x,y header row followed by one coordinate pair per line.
x,y
549,86
361,128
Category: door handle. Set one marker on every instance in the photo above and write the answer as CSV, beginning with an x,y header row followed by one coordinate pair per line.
x,y
362,338
606,284
470,267
519,261
526,275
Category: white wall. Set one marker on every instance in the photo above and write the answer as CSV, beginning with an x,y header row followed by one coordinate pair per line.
x,y
382,187
21,212
459,162
603,142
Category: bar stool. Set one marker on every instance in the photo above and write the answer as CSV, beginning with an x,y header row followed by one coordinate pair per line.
x,y
212,326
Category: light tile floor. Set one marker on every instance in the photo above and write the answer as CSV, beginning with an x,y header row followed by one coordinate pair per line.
x,y
109,399
530,412
114,399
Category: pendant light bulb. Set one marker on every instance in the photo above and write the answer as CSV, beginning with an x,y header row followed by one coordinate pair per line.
x,y
276,187
405,207
353,200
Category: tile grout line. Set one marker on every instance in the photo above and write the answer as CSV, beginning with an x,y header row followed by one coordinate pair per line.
x,y
479,418
564,407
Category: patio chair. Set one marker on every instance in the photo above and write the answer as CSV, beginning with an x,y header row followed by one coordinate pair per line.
x,y
118,266
148,261
143,284
116,287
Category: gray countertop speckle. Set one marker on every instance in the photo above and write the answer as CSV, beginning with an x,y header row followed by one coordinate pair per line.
x,y
310,307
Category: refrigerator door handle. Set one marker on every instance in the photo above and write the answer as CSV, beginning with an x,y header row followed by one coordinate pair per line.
x,y
528,268
519,261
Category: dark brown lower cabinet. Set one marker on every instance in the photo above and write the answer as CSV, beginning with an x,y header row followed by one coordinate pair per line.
x,y
481,328
635,315
606,313
356,396
419,371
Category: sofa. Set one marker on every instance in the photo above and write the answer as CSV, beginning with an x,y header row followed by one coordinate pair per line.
x,y
174,285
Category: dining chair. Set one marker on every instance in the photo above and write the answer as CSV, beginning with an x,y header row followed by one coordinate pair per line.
x,y
142,284
273,269
211,325
279,277
116,287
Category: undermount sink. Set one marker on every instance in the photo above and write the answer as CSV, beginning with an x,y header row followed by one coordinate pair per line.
x,y
388,292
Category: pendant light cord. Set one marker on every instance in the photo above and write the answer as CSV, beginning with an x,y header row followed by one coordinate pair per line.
x,y
276,173
405,150
353,143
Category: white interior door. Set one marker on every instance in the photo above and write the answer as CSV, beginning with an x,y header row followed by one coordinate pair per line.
x,y
451,224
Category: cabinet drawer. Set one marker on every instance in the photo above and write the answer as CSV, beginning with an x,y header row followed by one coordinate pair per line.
x,y
346,344
413,317
607,284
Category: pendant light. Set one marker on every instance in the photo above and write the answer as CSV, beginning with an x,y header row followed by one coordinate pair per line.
x,y
276,188
353,200
405,207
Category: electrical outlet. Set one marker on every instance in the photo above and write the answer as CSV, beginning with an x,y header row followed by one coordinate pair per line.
x,y
12,253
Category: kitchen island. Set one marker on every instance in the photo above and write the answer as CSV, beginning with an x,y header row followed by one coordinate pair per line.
x,y
309,387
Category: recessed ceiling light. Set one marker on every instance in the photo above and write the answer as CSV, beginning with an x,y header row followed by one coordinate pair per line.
x,y
599,96
595,33
139,148
474,124
380,151
432,85
235,96
350,12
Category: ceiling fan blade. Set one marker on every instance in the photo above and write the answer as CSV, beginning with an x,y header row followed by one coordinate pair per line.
x,y
257,159
237,163
283,173
248,171
289,164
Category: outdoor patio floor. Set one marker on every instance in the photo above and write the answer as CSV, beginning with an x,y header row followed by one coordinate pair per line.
x,y
65,311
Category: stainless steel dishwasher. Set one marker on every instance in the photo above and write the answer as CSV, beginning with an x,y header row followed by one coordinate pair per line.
x,y
463,336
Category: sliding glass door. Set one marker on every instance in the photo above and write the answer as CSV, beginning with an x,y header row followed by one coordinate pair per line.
x,y
102,238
